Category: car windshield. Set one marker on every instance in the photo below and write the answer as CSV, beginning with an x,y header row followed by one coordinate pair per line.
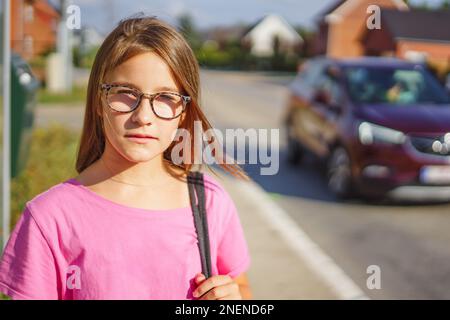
x,y
394,86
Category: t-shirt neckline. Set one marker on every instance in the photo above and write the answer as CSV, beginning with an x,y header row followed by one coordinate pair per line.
x,y
109,202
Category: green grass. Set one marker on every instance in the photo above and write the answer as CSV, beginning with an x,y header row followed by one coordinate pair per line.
x,y
51,160
77,95
4,297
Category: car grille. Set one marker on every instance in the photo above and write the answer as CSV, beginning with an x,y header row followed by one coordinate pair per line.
x,y
438,145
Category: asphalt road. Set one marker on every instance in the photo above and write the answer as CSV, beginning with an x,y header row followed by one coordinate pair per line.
x,y
409,243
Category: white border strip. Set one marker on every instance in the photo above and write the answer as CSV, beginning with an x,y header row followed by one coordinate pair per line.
x,y
6,122
318,261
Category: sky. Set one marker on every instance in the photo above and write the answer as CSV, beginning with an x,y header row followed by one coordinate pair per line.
x,y
104,14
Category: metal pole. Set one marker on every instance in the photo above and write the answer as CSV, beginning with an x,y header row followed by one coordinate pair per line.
x,y
64,45
6,122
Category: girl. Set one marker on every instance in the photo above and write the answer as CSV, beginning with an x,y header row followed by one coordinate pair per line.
x,y
123,228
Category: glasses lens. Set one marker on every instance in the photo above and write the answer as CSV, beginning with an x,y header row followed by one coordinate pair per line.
x,y
122,99
167,105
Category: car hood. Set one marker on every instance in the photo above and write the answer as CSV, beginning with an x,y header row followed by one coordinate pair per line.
x,y
408,119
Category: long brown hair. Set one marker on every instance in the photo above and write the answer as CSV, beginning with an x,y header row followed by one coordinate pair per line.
x,y
131,37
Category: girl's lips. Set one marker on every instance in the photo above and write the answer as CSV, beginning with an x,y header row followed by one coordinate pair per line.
x,y
140,139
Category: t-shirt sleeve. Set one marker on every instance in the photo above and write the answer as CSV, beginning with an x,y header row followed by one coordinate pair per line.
x,y
233,256
27,267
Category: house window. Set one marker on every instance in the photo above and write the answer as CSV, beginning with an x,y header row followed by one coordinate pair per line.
x,y
28,13
28,45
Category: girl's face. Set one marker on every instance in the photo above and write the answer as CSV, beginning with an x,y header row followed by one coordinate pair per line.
x,y
148,73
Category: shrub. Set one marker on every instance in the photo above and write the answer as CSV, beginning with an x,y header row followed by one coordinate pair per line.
x,y
51,160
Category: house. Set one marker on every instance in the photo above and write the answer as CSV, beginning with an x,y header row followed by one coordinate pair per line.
x,y
341,25
222,35
402,36
33,27
271,31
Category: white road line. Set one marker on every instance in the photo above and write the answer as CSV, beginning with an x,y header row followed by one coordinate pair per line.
x,y
318,261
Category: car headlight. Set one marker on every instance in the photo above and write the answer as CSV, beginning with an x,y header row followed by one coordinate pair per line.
x,y
371,133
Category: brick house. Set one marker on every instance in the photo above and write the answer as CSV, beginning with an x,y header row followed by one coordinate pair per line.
x,y
341,25
417,33
33,27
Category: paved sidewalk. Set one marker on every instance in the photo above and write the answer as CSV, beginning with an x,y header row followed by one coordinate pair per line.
x,y
276,272
67,115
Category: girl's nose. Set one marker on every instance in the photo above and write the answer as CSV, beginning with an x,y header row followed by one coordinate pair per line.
x,y
144,113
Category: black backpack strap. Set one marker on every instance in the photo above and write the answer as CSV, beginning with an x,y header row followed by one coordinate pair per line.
x,y
196,185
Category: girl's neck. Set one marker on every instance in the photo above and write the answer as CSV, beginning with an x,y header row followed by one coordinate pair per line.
x,y
119,169
113,168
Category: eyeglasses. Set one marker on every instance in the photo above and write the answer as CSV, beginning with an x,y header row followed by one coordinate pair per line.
x,y
124,99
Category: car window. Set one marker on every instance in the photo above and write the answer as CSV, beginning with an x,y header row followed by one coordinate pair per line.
x,y
333,90
330,87
304,82
394,86
312,72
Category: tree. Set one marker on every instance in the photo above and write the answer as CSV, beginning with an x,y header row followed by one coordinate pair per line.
x,y
421,6
445,5
187,28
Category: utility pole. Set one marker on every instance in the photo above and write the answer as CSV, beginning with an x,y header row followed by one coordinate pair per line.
x,y
64,45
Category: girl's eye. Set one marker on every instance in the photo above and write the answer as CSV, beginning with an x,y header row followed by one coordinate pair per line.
x,y
169,97
126,92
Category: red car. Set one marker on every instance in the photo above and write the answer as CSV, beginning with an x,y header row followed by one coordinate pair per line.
x,y
382,125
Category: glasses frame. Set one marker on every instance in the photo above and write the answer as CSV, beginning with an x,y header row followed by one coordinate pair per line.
x,y
105,87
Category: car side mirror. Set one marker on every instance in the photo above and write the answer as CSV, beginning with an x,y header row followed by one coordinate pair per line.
x,y
333,73
323,98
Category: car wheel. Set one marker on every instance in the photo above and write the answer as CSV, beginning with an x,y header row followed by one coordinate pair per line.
x,y
294,150
339,173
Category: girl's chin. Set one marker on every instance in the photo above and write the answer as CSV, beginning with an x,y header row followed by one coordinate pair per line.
x,y
139,156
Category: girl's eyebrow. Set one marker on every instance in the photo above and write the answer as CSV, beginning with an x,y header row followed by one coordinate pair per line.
x,y
126,84
129,84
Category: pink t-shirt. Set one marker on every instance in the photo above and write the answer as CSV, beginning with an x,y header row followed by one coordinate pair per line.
x,y
72,243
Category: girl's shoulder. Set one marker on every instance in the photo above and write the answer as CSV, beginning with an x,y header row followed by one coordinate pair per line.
x,y
215,192
214,185
53,199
